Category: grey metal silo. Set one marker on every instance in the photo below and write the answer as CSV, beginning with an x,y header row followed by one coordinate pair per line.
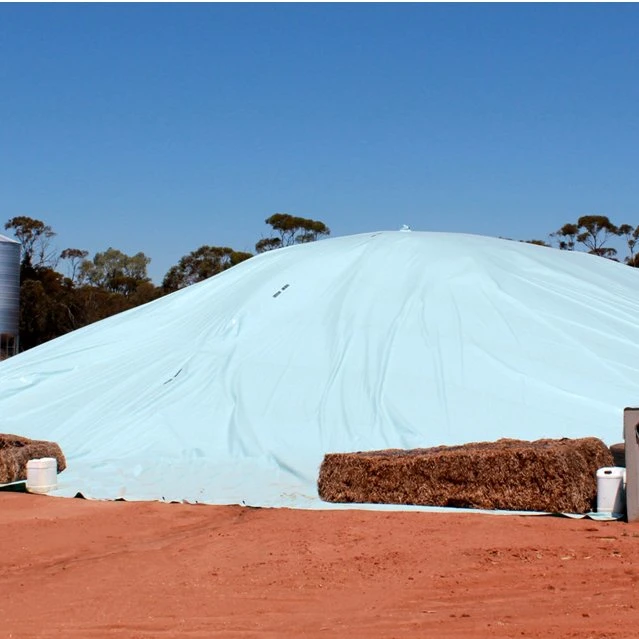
x,y
9,296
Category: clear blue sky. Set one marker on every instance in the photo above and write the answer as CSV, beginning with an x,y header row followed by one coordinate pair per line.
x,y
162,127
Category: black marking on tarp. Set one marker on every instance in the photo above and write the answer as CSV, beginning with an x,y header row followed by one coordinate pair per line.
x,y
281,290
172,378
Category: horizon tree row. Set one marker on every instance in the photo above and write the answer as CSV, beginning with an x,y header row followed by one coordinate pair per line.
x,y
592,234
52,304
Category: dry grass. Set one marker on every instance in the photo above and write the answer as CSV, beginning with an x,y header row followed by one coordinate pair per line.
x,y
16,451
544,475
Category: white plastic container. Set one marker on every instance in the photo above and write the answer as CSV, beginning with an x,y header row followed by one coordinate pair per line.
x,y
42,475
611,490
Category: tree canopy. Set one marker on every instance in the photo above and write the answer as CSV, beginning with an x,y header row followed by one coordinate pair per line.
x,y
200,265
74,257
115,271
35,237
591,231
291,230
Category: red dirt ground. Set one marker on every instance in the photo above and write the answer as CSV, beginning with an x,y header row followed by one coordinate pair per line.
x,y
75,568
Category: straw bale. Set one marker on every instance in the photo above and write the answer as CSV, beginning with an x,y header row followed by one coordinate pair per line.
x,y
544,475
16,451
619,454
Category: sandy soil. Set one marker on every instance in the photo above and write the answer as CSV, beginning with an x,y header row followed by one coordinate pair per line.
x,y
74,568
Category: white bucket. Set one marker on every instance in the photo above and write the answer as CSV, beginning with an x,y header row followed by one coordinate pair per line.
x,y
42,475
611,490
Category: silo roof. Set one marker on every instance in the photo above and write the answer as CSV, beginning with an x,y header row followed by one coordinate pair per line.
x,y
4,238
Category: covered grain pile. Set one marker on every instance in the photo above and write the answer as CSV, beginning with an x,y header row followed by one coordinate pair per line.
x,y
544,475
16,451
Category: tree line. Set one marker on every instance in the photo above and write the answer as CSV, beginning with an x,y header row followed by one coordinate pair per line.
x,y
593,234
53,302
63,291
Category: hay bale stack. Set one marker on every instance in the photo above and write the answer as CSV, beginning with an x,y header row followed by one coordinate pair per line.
x,y
545,475
16,451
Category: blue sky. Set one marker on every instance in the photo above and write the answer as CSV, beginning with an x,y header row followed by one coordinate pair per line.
x,y
162,127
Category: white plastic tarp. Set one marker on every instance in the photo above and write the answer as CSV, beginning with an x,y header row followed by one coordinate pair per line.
x,y
232,390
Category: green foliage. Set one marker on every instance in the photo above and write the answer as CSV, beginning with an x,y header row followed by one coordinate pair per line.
x,y
74,258
115,271
594,232
537,242
268,244
567,235
631,236
35,237
52,305
291,230
591,232
200,265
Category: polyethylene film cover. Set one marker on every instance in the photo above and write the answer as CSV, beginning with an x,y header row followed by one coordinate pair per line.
x,y
232,390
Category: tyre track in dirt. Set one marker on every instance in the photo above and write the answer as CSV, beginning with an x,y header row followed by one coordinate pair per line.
x,y
106,569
